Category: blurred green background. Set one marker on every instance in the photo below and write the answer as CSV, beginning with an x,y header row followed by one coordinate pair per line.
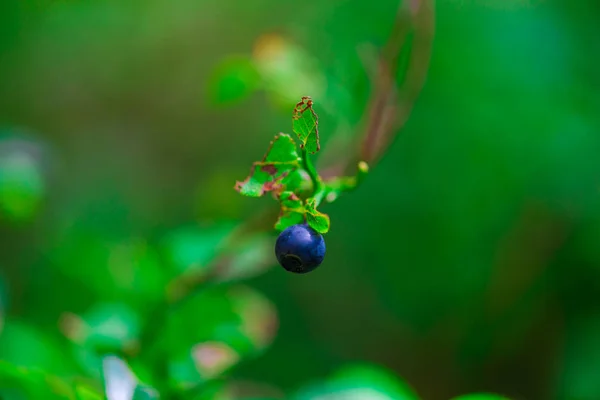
x,y
469,261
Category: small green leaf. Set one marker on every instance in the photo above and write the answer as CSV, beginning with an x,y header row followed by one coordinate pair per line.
x,y
316,220
267,175
292,211
305,124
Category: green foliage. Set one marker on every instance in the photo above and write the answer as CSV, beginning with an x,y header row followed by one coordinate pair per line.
x,y
22,186
193,248
306,125
267,175
361,382
317,220
20,383
293,178
470,259
292,210
121,384
212,331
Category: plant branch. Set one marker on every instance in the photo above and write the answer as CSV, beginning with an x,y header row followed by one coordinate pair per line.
x,y
391,105
312,172
391,102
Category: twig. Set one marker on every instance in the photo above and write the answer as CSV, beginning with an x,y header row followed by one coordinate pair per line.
x,y
390,105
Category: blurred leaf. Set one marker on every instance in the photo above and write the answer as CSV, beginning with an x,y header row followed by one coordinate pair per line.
x,y
86,393
292,211
266,175
122,384
211,331
228,389
119,381
233,80
115,269
305,124
318,221
257,314
213,198
25,346
105,327
299,182
481,396
365,382
246,257
20,383
578,377
22,186
192,249
288,71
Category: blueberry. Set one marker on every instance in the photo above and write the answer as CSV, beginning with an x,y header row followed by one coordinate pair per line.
x,y
300,249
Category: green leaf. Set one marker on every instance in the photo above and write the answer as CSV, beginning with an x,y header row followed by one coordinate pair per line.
x,y
361,381
232,80
336,186
87,393
212,331
267,175
130,267
105,327
292,211
305,124
20,383
143,392
228,389
287,70
22,186
318,221
122,384
299,182
192,249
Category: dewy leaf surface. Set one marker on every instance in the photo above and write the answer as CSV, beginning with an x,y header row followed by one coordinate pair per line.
x,y
292,211
316,220
266,175
305,124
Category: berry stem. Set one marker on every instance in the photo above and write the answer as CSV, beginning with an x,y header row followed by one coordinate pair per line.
x,y
312,172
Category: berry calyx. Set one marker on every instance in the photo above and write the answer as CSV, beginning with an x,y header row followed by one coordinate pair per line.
x,y
300,249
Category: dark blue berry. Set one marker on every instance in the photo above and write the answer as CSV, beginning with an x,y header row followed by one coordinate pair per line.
x,y
300,249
